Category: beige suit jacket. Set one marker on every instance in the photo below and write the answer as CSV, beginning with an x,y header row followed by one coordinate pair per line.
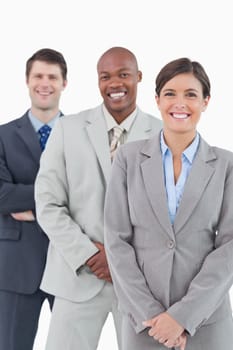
x,y
70,192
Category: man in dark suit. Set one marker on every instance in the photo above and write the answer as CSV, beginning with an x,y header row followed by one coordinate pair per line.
x,y
23,244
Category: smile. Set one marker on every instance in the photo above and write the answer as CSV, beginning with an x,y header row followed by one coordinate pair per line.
x,y
180,115
117,95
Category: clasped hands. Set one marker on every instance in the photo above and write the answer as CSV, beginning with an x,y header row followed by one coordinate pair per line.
x,y
98,263
167,331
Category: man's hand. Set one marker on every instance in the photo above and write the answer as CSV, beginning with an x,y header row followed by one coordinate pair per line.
x,y
98,264
166,330
24,216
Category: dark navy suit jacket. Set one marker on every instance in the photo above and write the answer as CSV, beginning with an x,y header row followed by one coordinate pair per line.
x,y
23,245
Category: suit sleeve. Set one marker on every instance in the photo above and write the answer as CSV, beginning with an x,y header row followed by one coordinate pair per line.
x,y
135,298
52,204
211,285
14,197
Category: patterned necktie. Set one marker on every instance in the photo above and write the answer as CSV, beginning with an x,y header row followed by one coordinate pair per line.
x,y
44,132
115,141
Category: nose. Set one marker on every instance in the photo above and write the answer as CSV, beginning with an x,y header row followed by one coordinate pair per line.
x,y
179,106
45,81
115,82
180,103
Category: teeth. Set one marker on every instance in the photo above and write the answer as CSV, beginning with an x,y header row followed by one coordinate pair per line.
x,y
117,95
44,93
179,116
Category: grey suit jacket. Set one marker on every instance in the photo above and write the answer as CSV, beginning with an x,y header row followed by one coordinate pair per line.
x,y
187,268
70,193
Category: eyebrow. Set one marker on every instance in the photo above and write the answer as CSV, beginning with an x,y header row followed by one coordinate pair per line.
x,y
184,90
123,69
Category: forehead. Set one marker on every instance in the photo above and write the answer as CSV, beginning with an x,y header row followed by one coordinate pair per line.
x,y
42,67
116,61
183,81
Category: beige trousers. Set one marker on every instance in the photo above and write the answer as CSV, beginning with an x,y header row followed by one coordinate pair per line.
x,y
77,326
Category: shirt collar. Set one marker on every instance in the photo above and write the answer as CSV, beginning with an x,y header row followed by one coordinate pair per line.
x,y
189,152
126,124
37,124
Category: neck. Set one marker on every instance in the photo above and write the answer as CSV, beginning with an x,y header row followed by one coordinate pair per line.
x,y
119,119
177,143
45,116
121,115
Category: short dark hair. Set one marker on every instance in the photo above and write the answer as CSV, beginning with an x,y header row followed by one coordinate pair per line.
x,y
179,66
49,56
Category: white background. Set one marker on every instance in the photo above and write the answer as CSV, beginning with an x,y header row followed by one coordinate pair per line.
x,y
156,31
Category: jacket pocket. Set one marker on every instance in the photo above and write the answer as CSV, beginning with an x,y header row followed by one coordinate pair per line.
x,y
9,233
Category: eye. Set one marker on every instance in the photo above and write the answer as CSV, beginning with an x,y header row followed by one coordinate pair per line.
x,y
191,94
169,93
104,77
124,75
38,76
53,77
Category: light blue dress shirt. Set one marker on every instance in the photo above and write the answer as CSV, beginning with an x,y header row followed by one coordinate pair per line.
x,y
175,191
37,124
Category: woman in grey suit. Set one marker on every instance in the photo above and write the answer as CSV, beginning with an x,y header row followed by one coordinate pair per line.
x,y
169,225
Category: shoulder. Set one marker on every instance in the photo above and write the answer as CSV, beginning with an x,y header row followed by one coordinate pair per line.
x,y
131,155
11,125
215,151
133,146
127,155
151,118
81,118
217,156
224,154
6,126
224,162
131,152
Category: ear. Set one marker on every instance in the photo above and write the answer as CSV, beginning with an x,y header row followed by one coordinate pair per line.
x,y
205,103
157,100
65,82
139,76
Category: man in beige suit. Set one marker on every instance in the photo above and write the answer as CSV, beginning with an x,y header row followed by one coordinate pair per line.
x,y
70,195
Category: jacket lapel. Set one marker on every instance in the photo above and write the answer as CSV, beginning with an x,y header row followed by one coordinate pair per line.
x,y
28,136
199,177
141,127
97,132
153,176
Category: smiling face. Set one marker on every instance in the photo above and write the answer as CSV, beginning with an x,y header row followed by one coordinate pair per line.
x,y
45,84
118,76
181,103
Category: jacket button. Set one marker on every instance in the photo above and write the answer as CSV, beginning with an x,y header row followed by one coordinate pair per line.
x,y
170,244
